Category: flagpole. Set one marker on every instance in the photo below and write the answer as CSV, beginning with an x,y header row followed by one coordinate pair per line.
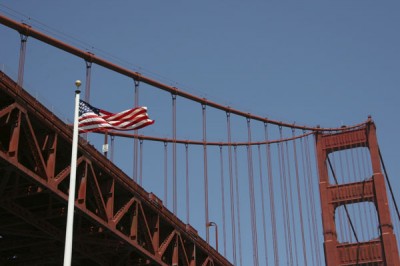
x,y
72,182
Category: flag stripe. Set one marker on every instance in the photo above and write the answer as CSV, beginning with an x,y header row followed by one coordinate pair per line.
x,y
94,119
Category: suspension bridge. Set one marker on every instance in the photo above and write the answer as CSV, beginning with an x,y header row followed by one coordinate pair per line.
x,y
247,190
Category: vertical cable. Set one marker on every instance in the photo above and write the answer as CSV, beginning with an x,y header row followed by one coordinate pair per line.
x,y
263,207
22,55
291,205
395,208
389,185
367,170
174,186
361,172
339,212
308,202
347,229
105,145
135,132
299,201
231,187
360,218
112,149
203,107
314,216
251,194
237,204
88,80
166,173
141,162
286,219
271,197
350,206
223,198
87,88
187,184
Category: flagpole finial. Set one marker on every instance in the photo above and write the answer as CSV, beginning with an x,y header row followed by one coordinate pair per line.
x,y
78,84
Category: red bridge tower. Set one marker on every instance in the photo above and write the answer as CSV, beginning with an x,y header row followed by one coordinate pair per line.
x,y
380,251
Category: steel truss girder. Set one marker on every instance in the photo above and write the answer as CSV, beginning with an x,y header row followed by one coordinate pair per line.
x,y
117,220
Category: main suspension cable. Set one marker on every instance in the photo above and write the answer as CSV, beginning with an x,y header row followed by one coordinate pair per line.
x,y
30,31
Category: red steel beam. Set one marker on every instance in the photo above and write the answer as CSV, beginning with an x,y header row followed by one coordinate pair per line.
x,y
381,251
102,208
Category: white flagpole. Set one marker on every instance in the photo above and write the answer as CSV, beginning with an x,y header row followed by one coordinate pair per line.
x,y
72,182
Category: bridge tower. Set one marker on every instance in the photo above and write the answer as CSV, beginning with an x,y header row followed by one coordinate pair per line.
x,y
380,251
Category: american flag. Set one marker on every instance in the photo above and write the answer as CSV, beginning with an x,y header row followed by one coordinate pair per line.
x,y
95,119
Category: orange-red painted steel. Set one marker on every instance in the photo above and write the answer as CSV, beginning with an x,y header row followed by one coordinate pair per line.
x,y
117,222
381,251
90,57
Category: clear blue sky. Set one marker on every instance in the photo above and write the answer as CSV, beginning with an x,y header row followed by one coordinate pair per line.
x,y
327,63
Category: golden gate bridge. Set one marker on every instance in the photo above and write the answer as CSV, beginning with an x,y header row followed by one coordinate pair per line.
x,y
290,194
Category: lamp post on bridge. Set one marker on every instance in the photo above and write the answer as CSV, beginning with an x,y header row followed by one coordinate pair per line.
x,y
209,224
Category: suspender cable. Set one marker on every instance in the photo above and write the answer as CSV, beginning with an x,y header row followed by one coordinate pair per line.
x,y
231,188
291,205
285,213
87,87
361,172
308,202
360,218
340,218
203,107
135,141
314,216
347,231
358,206
88,79
187,184
166,173
105,145
349,206
345,206
174,185
223,198
367,172
141,162
271,197
251,194
390,186
112,149
263,207
22,55
299,201
237,204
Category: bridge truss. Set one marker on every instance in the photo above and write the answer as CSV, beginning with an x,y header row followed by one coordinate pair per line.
x,y
117,223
